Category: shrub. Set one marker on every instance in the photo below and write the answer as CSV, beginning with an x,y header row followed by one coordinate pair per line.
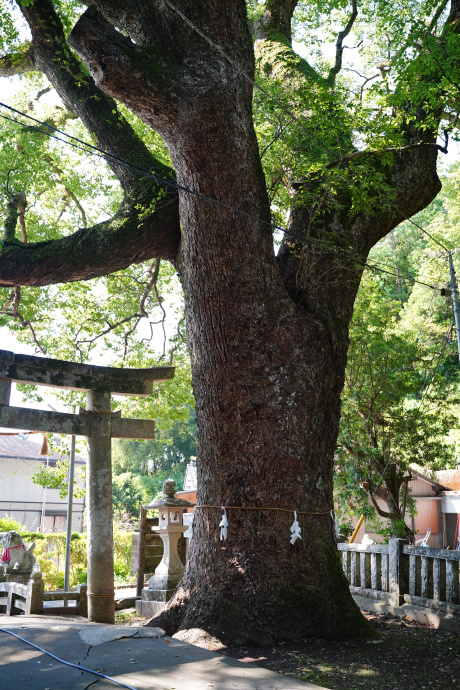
x,y
8,524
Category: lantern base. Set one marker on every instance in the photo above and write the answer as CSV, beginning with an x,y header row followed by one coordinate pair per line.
x,y
148,609
162,595
164,581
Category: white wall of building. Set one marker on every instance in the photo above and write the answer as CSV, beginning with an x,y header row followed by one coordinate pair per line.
x,y
21,499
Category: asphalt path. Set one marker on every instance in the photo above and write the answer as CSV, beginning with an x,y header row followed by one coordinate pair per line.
x,y
137,657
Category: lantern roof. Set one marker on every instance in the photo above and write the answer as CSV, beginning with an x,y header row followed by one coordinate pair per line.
x,y
169,500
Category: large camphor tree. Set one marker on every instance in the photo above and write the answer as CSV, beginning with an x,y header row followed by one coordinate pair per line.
x,y
267,331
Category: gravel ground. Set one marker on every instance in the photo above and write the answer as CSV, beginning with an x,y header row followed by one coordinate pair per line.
x,y
407,656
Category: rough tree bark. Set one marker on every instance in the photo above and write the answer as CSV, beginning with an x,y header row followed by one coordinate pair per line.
x,y
267,335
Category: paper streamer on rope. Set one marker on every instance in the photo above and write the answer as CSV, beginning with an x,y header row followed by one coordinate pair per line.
x,y
223,524
336,526
295,529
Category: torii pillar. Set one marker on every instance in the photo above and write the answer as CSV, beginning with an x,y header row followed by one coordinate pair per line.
x,y
99,425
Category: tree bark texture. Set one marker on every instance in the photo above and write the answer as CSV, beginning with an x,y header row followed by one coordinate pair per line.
x,y
267,335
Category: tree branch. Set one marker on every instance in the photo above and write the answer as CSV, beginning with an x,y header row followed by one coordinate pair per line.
x,y
98,250
383,513
126,70
61,175
391,149
16,63
98,111
276,19
14,300
147,224
339,47
14,210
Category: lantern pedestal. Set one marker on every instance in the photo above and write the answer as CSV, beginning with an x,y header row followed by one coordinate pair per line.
x,y
169,571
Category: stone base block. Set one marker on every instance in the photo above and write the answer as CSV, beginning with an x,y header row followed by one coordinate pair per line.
x,y
165,581
148,609
125,603
161,595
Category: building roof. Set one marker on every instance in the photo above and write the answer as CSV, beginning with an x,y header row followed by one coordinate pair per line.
x,y
28,448
435,483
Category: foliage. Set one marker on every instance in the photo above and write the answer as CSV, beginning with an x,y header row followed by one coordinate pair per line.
x,y
9,524
400,402
141,467
56,475
50,553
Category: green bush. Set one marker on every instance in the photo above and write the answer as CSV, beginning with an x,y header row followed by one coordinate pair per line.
x,y
122,553
8,524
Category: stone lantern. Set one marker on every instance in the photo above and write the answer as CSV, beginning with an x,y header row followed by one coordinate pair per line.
x,y
170,528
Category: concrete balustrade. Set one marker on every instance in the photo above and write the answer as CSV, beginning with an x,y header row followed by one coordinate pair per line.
x,y
417,582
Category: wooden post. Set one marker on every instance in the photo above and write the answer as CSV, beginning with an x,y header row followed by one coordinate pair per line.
x,y
101,601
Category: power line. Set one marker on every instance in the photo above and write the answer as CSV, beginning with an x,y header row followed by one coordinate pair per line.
x,y
160,181
428,234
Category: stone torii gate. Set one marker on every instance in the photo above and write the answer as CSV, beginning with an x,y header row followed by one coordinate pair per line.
x,y
99,424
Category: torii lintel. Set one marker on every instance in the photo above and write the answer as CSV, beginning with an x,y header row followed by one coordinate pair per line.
x,y
57,373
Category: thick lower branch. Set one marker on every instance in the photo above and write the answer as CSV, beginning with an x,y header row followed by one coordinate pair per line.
x,y
91,252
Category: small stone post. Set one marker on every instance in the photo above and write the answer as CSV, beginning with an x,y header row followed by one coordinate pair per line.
x,y
35,590
101,599
398,571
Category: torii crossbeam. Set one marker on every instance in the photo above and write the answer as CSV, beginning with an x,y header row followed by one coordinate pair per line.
x,y
99,425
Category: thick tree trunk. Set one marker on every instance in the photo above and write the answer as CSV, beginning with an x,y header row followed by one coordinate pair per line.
x,y
267,376
267,381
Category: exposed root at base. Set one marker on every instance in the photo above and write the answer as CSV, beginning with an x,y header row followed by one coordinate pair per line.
x,y
200,638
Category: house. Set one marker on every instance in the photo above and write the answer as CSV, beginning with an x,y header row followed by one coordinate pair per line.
x,y
437,502
37,508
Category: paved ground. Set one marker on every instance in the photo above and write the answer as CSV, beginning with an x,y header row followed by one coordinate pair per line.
x,y
140,658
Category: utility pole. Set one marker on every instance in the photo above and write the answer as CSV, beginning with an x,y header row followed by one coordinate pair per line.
x,y
69,516
453,285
